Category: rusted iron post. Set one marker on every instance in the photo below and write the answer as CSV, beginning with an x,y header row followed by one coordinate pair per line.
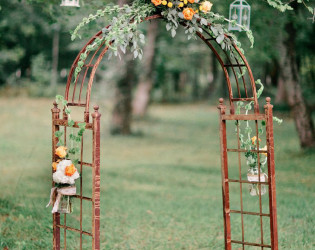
x,y
271,171
96,180
56,216
225,183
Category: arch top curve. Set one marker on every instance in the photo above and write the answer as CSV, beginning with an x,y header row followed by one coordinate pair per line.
x,y
238,74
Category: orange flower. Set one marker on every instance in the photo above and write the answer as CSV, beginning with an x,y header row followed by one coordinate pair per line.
x,y
156,2
254,138
61,151
54,166
191,1
70,170
188,13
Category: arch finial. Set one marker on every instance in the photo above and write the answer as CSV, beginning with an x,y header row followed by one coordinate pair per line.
x,y
96,114
268,99
96,108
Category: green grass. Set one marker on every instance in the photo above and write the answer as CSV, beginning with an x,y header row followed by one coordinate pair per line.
x,y
159,190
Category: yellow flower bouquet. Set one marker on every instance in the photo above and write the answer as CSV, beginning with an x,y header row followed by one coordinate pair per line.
x,y
64,177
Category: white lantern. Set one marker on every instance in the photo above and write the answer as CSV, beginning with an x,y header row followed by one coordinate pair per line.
x,y
239,12
70,3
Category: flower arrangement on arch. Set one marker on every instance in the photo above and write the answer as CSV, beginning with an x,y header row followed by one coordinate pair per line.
x,y
64,170
186,8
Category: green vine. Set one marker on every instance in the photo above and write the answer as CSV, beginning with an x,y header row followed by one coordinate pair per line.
x,y
120,34
75,139
247,140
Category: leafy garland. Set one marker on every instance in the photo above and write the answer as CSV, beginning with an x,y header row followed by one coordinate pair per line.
x,y
123,33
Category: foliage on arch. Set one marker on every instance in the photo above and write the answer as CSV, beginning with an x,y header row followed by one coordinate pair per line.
x,y
195,15
123,31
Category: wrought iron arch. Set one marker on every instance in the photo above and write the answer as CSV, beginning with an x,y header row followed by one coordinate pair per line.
x,y
240,87
237,63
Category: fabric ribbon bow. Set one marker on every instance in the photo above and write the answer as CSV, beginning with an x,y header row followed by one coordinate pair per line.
x,y
57,193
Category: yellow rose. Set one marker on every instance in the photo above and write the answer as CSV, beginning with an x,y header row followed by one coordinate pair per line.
x,y
188,13
164,2
170,4
156,2
54,166
61,151
181,5
206,6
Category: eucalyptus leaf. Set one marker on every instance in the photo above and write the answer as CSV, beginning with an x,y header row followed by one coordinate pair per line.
x,y
220,38
173,32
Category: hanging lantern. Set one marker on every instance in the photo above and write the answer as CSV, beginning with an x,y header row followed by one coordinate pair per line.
x,y
70,3
239,12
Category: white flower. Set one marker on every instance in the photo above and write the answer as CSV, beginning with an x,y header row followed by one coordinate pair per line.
x,y
60,177
206,6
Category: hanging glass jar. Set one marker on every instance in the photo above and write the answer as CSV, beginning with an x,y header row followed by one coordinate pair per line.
x,y
240,13
253,176
65,205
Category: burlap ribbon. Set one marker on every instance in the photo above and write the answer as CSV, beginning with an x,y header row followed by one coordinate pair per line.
x,y
57,193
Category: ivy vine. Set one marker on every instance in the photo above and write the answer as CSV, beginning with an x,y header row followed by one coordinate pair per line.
x,y
75,139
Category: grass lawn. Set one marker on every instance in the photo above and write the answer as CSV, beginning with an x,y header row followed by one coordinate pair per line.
x,y
160,189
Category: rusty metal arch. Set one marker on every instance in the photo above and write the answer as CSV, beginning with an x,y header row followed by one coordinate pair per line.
x,y
240,66
240,88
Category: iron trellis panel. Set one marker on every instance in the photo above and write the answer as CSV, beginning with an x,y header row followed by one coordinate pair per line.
x,y
95,167
268,118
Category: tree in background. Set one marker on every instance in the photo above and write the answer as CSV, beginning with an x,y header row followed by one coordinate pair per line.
x,y
143,91
19,40
122,109
290,75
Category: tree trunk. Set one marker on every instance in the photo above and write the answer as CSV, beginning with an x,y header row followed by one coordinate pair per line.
x,y
281,96
211,87
290,76
121,114
142,95
55,56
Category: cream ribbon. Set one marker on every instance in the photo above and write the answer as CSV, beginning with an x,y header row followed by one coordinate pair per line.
x,y
57,193
255,177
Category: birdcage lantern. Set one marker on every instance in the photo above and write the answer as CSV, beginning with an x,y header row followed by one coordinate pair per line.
x,y
239,12
70,3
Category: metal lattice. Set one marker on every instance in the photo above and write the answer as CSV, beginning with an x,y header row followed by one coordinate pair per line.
x,y
94,166
226,180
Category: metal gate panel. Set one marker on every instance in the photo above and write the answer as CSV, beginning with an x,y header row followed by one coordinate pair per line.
x,y
226,180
